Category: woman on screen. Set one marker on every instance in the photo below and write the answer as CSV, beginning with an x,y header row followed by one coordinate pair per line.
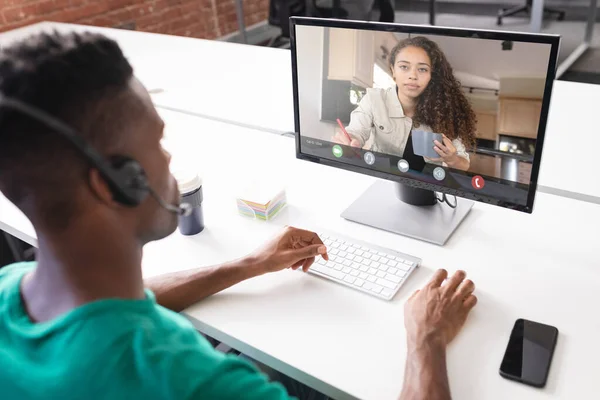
x,y
426,97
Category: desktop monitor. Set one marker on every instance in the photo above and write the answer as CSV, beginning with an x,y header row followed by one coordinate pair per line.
x,y
444,116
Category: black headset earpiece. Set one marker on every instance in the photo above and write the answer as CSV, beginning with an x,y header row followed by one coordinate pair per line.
x,y
134,187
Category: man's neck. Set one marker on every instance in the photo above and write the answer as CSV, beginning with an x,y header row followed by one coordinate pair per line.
x,y
79,267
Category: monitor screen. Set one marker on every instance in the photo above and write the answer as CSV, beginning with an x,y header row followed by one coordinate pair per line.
x,y
457,111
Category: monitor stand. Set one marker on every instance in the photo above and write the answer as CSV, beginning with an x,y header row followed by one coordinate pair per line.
x,y
408,211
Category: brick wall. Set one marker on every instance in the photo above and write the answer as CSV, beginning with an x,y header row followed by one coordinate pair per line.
x,y
196,18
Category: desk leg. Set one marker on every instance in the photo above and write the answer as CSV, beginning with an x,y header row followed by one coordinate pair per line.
x,y
537,16
431,12
239,9
585,45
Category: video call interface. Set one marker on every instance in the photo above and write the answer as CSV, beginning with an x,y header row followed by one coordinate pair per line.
x,y
452,111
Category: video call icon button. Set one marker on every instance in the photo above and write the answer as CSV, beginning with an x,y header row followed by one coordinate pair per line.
x,y
439,173
477,182
403,165
337,151
369,158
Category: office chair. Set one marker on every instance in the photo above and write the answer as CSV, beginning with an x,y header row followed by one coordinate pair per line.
x,y
280,12
504,12
18,250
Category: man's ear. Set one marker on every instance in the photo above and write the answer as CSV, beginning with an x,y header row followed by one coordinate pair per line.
x,y
100,188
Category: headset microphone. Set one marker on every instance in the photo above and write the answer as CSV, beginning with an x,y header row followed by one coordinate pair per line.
x,y
183,210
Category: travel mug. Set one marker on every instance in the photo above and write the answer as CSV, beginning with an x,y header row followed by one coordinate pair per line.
x,y
190,189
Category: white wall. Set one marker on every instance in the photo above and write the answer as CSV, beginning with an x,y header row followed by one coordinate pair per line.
x,y
532,88
483,63
309,41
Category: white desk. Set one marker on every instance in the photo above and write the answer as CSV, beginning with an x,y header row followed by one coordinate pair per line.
x,y
542,266
246,85
252,86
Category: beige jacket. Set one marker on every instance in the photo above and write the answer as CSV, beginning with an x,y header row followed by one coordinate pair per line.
x,y
379,114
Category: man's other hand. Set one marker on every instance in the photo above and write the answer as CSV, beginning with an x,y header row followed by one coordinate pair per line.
x,y
439,310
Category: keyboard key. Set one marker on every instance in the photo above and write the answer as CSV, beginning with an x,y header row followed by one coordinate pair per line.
x,y
363,248
372,271
381,274
349,279
328,271
386,292
383,268
358,259
346,270
359,282
347,263
364,268
409,263
367,255
350,257
355,265
376,288
375,258
366,262
375,264
392,263
392,278
335,245
321,261
358,252
362,275
350,250
386,283
343,247
371,278
403,267
338,267
342,254
392,270
383,261
334,251
340,241
355,273
382,254
327,242
401,273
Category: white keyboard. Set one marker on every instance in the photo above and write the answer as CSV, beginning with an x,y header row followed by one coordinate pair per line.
x,y
375,270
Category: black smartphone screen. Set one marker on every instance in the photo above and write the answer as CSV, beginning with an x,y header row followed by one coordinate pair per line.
x,y
529,352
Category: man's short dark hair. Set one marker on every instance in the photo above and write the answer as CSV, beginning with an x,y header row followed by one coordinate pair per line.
x,y
76,78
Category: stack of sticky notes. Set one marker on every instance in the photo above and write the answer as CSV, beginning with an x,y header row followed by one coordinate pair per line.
x,y
261,200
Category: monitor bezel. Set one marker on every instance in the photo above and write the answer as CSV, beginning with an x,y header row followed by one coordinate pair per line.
x,y
553,40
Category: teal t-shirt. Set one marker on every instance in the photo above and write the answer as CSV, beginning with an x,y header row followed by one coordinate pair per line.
x,y
115,349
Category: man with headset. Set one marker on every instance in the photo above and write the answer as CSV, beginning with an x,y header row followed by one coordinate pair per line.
x,y
81,156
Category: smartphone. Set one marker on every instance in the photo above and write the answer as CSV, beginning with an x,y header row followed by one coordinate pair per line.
x,y
529,353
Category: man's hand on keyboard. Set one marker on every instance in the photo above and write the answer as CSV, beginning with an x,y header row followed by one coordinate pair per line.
x,y
439,310
292,248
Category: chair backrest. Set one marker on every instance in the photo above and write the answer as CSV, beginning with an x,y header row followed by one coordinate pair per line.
x,y
280,12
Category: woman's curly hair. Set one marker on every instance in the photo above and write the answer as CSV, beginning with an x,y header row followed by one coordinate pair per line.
x,y
442,105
